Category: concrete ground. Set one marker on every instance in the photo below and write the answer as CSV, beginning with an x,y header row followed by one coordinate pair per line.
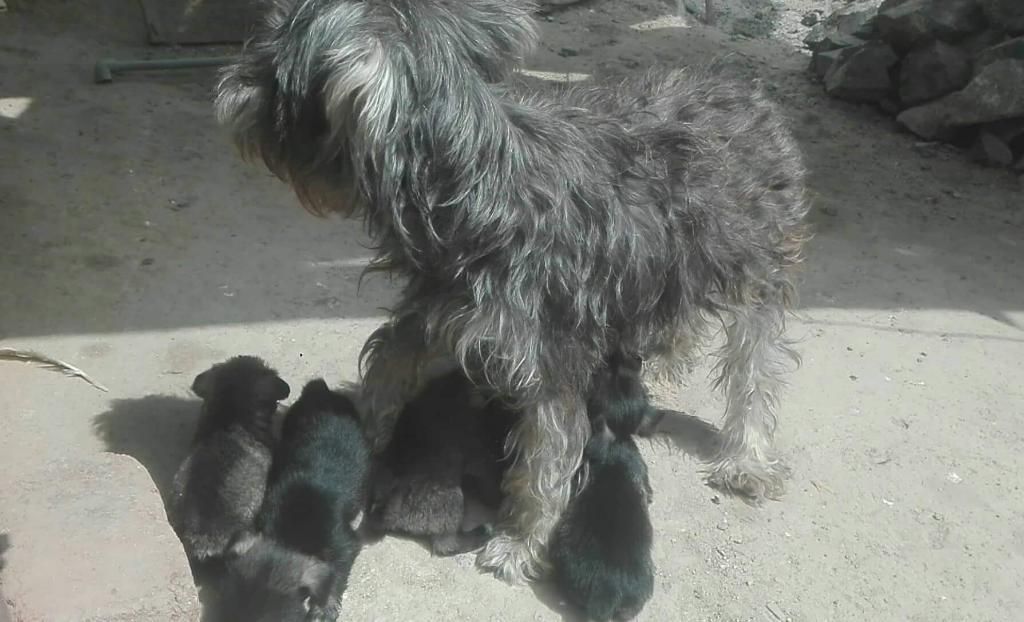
x,y
137,246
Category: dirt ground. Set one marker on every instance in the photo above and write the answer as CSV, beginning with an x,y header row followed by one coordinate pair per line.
x,y
137,246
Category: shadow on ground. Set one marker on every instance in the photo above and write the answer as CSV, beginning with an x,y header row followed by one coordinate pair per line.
x,y
5,543
691,435
156,430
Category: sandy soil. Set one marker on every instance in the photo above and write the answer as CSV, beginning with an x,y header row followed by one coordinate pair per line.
x,y
137,246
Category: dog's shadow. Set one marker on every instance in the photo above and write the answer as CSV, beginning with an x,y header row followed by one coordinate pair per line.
x,y
5,543
156,430
691,435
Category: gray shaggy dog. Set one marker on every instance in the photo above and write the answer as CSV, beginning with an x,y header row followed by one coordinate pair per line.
x,y
535,230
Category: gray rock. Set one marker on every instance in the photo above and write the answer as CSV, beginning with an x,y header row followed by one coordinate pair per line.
x,y
976,43
821,62
810,19
932,71
995,93
90,541
1012,49
988,149
862,75
912,22
1006,14
890,4
846,27
822,39
857,20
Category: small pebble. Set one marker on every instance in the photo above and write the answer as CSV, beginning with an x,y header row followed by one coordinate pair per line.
x,y
810,19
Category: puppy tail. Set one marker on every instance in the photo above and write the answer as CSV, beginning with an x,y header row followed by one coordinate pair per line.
x,y
337,95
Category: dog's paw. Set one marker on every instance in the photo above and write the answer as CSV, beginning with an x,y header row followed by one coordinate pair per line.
x,y
749,478
513,560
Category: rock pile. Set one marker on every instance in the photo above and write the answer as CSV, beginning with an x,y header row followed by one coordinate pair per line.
x,y
950,70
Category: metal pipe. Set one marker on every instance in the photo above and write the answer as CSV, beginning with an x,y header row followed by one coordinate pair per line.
x,y
107,67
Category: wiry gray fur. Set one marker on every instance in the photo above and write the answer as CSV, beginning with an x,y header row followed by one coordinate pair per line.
x,y
536,229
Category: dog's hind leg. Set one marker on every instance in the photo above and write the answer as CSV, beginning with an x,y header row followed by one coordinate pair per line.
x,y
548,444
753,361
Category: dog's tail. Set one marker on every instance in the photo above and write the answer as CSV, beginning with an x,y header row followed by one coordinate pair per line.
x,y
349,100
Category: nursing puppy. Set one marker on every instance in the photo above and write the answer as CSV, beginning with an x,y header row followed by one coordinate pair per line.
x,y
219,487
536,229
445,460
601,548
295,564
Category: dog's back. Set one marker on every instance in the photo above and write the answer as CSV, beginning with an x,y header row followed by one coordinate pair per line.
x,y
219,487
317,484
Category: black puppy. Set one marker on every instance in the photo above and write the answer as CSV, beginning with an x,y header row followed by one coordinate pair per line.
x,y
445,459
219,487
601,548
295,566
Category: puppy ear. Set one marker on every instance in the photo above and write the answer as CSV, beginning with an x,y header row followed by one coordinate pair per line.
x,y
650,423
202,385
241,542
272,388
316,387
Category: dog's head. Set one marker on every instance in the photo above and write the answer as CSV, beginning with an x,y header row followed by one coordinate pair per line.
x,y
240,387
327,90
267,582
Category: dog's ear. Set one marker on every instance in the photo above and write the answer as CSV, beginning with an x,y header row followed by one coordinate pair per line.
x,y
202,385
316,387
270,388
650,423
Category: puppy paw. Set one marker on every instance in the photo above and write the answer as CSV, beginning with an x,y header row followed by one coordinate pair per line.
x,y
749,478
512,560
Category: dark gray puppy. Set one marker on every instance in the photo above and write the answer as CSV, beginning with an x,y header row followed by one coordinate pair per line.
x,y
219,487
295,564
445,460
601,548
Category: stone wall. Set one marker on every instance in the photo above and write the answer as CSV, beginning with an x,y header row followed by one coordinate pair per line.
x,y
949,70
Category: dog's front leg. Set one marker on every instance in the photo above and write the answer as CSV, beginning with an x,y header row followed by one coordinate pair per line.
x,y
548,445
754,360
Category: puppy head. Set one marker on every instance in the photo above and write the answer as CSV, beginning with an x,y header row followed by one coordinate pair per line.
x,y
316,395
241,384
267,582
618,395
